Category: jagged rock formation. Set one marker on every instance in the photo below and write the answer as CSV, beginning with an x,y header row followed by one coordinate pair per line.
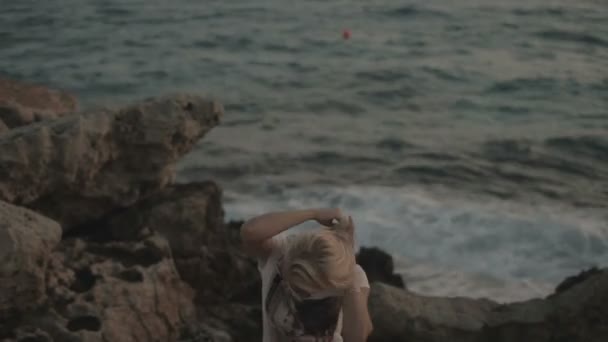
x,y
578,313
379,266
26,241
112,291
81,167
24,103
3,127
191,218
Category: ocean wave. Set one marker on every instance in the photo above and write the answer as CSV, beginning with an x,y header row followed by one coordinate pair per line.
x,y
435,156
594,147
513,110
336,106
448,75
136,43
542,11
301,67
383,75
544,84
390,97
568,169
579,156
601,86
329,158
278,47
114,11
443,174
574,37
42,20
511,244
243,107
415,11
559,168
205,43
155,74
394,144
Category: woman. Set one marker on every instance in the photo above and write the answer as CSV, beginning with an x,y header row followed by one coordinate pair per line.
x,y
312,288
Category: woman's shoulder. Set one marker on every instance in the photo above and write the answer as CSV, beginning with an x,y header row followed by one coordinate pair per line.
x,y
360,277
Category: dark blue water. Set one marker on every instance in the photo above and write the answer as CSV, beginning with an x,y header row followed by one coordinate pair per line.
x,y
469,138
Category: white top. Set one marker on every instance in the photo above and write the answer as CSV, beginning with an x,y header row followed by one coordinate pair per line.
x,y
268,270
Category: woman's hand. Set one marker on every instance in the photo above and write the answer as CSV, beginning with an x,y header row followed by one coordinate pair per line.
x,y
327,216
257,232
336,219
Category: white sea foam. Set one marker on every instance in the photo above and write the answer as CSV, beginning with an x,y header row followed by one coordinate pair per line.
x,y
446,245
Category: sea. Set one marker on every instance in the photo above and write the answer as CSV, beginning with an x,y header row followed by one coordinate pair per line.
x,y
467,138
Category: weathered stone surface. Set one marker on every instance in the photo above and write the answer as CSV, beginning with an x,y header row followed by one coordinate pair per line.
x,y
113,291
23,103
576,279
3,127
400,315
201,332
578,313
79,168
26,241
246,328
378,266
206,254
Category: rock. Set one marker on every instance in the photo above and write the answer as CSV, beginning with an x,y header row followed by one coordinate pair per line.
x,y
3,127
233,229
24,103
79,168
573,280
578,313
203,333
35,335
113,291
188,215
248,326
250,289
378,266
400,315
207,256
26,241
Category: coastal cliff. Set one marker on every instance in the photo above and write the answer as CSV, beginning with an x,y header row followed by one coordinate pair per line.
x,y
97,242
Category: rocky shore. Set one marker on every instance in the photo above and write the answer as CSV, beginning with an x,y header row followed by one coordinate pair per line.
x,y
97,243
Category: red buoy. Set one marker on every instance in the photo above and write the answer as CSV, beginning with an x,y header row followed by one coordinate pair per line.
x,y
346,34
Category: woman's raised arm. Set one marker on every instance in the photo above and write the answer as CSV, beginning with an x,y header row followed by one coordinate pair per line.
x,y
256,233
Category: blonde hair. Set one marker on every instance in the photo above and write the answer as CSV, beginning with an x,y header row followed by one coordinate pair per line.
x,y
319,261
